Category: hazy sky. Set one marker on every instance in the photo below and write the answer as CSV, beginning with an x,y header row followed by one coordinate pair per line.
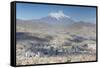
x,y
27,11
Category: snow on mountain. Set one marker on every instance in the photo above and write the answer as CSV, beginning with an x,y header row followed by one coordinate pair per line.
x,y
54,18
57,18
58,15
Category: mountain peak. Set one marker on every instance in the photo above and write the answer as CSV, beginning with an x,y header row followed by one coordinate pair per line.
x,y
58,15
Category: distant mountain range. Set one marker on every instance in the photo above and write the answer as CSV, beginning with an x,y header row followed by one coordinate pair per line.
x,y
55,18
57,21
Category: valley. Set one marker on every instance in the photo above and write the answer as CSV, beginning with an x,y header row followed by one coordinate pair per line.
x,y
40,43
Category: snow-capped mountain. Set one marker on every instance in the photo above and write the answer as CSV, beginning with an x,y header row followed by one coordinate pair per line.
x,y
56,21
55,18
